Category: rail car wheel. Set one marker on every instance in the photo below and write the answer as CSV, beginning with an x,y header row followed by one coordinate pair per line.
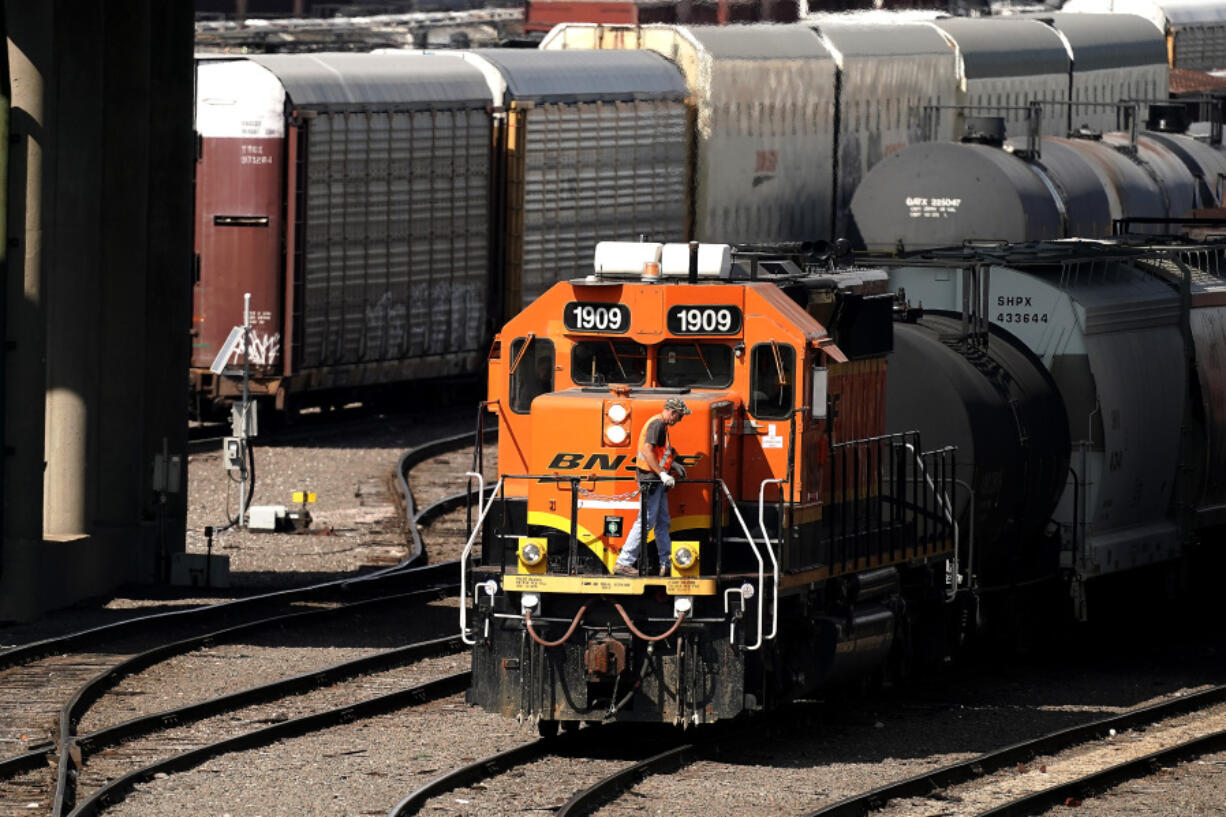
x,y
547,729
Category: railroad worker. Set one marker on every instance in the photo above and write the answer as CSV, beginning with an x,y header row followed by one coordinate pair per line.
x,y
655,469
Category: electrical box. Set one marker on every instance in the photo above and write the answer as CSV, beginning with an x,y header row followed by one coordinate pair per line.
x,y
233,450
267,517
166,468
199,570
245,423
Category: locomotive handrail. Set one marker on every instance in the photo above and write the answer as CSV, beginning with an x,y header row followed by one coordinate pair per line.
x,y
943,498
468,547
770,549
757,555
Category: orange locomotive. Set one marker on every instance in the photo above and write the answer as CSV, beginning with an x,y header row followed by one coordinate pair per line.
x,y
804,540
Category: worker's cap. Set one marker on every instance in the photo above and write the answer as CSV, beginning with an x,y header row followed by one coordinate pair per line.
x,y
677,404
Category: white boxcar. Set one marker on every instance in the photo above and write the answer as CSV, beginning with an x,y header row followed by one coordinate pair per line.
x,y
1006,64
1115,57
895,83
764,99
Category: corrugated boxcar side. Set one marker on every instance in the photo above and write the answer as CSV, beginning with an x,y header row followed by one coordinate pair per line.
x,y
590,172
764,153
764,107
1201,47
763,100
394,245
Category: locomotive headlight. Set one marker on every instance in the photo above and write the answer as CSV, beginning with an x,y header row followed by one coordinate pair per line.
x,y
532,552
617,434
618,412
684,556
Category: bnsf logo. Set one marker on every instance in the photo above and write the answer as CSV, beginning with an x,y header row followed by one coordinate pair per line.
x,y
565,461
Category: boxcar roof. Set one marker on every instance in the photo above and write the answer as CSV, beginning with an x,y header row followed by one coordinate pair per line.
x,y
559,76
1111,40
376,81
761,42
1006,47
895,40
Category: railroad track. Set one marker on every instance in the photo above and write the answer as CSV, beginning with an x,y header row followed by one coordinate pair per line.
x,y
582,770
543,774
974,783
579,773
82,681
81,667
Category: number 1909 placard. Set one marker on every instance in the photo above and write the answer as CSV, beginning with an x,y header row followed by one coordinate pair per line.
x,y
704,320
590,316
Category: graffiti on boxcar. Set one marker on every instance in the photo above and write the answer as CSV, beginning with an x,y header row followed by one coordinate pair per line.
x,y
383,333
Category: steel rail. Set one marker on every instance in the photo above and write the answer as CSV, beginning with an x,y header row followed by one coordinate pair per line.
x,y
447,504
924,784
137,625
480,770
605,791
445,573
117,789
414,457
1107,778
398,656
442,573
68,766
190,713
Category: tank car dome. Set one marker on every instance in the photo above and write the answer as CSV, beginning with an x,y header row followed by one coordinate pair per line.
x,y
1178,184
1087,206
1129,188
937,194
1207,164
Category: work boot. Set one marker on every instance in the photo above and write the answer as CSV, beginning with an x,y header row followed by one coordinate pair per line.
x,y
625,570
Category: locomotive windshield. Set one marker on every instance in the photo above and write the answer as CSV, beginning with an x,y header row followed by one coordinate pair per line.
x,y
532,373
773,377
694,364
604,361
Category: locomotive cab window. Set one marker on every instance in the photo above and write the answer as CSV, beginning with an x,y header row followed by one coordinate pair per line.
x,y
532,371
604,361
772,381
694,364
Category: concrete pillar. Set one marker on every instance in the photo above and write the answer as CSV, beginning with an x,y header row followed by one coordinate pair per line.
x,y
99,294
123,137
73,277
30,54
168,298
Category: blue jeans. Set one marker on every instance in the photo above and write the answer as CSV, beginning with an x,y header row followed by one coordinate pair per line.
x,y
655,507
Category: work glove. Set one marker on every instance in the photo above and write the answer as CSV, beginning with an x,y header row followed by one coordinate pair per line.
x,y
668,481
679,470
